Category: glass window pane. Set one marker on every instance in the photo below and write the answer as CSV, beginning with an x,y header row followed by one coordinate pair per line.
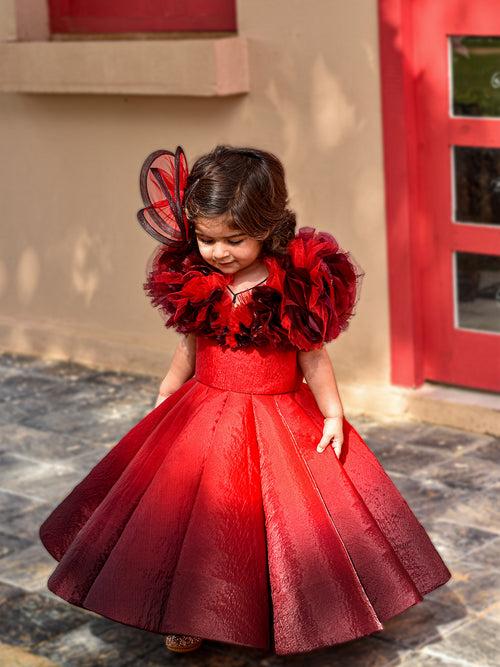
x,y
475,67
477,184
477,291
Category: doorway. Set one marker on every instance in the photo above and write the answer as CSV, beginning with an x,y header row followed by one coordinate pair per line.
x,y
441,108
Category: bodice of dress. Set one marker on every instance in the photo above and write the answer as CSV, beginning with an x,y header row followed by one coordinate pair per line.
x,y
252,370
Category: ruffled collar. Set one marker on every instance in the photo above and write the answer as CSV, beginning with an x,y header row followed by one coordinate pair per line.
x,y
306,300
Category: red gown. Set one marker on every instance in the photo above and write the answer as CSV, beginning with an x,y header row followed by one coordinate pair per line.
x,y
215,516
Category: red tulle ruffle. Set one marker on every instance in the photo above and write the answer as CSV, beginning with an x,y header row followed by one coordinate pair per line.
x,y
306,301
321,288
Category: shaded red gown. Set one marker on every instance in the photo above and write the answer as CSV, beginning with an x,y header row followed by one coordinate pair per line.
x,y
215,516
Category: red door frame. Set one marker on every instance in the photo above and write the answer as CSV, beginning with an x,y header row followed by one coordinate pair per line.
x,y
455,354
421,234
400,170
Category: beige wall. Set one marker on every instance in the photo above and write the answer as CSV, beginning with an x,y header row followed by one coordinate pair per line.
x,y
73,257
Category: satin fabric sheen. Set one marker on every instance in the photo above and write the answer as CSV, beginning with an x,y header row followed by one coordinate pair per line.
x,y
215,516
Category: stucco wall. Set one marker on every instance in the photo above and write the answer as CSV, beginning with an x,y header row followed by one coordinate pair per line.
x,y
73,257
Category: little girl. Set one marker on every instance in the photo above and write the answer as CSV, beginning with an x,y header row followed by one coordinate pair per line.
x,y
244,508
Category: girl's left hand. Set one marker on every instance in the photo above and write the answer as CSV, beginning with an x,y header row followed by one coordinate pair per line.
x,y
160,398
332,430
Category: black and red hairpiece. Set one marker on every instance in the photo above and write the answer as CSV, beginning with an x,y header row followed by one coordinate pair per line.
x,y
162,183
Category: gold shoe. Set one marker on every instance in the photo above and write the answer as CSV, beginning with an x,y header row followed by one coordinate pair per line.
x,y
182,643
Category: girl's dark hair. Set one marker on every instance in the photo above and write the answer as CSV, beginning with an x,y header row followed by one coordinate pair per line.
x,y
249,185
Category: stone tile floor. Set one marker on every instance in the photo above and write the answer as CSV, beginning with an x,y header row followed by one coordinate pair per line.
x,y
58,419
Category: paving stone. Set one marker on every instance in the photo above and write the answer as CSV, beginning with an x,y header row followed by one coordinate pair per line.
x,y
7,373
454,540
479,508
135,389
85,462
29,568
410,459
121,378
26,524
86,394
23,386
83,647
477,643
418,659
124,635
45,591
70,371
386,435
364,652
34,399
8,591
43,445
472,587
487,556
65,369
23,362
208,655
489,451
426,496
23,409
492,612
364,424
466,472
10,544
13,505
14,656
44,481
450,440
479,590
423,623
30,618
102,424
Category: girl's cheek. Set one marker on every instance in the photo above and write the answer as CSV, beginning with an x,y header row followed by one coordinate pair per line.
x,y
204,250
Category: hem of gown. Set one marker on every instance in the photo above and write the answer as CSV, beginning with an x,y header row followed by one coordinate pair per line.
x,y
383,620
175,630
253,646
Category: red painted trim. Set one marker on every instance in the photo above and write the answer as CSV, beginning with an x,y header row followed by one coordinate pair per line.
x,y
400,169
96,16
452,354
418,134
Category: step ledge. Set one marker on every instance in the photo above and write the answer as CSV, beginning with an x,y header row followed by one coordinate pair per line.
x,y
468,409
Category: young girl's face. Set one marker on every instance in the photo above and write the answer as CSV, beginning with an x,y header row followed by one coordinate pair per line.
x,y
228,249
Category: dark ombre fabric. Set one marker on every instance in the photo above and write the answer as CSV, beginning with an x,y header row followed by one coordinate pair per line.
x,y
215,516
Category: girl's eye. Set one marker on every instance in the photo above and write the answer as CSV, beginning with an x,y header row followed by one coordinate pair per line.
x,y
230,242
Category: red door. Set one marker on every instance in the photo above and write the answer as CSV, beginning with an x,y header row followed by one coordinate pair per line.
x,y
456,75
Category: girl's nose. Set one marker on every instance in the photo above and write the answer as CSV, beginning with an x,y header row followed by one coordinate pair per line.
x,y
220,253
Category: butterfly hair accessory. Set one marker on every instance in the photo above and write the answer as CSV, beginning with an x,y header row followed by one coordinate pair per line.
x,y
163,181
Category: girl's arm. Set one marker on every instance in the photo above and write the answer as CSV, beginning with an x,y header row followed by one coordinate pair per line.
x,y
320,377
181,368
